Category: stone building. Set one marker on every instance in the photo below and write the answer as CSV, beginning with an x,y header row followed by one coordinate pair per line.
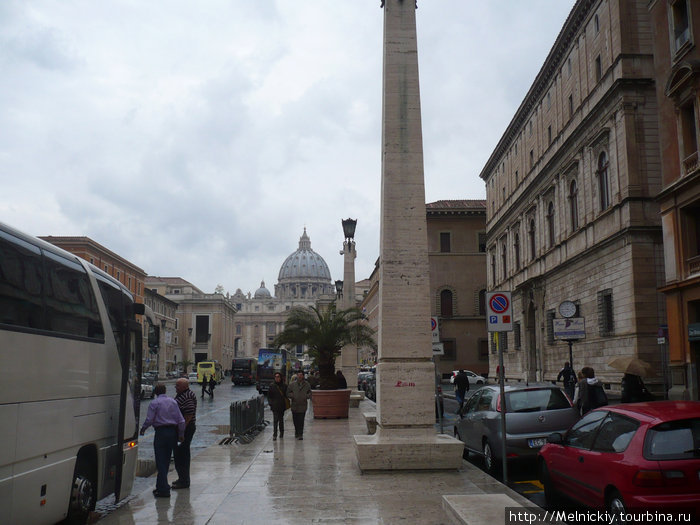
x,y
571,189
205,321
303,280
457,261
165,311
676,28
457,258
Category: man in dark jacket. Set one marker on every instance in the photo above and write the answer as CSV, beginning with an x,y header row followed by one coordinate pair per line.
x,y
277,399
568,376
461,386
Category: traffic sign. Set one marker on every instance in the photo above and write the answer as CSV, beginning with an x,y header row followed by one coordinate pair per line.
x,y
499,316
435,330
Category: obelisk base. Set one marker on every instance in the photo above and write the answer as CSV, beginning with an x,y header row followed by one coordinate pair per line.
x,y
408,449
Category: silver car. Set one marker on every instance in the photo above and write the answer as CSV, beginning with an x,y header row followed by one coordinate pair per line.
x,y
533,412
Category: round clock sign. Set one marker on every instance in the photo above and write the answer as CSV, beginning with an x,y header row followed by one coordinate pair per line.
x,y
567,309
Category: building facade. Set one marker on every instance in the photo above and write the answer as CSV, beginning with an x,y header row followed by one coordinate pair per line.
x,y
204,322
162,359
571,190
676,27
457,258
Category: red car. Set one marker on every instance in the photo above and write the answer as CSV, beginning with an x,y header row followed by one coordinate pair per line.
x,y
629,457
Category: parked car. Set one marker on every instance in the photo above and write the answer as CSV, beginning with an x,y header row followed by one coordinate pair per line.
x,y
192,377
147,387
367,382
533,412
637,456
474,379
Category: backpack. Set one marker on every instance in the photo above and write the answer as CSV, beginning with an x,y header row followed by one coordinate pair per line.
x,y
596,397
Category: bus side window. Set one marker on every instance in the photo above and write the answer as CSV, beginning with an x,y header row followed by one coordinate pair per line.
x,y
70,304
20,283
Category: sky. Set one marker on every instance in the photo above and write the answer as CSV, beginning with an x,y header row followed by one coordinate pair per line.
x,y
199,139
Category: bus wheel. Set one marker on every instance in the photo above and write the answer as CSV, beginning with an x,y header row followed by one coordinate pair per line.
x,y
83,496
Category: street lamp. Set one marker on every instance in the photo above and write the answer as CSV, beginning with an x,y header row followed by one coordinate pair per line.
x,y
339,289
349,228
163,348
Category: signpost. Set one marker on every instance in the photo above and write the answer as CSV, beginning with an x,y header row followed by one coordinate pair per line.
x,y
500,319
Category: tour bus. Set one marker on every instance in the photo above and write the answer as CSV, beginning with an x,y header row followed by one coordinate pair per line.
x,y
244,370
207,368
70,354
271,361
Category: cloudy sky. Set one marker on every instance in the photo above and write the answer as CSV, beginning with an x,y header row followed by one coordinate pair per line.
x,y
198,139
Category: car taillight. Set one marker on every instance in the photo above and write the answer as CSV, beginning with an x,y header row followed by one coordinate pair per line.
x,y
658,478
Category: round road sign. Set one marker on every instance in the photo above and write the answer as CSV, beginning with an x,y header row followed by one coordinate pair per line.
x,y
499,303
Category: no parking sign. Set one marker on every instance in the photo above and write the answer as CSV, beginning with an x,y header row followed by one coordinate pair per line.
x,y
499,312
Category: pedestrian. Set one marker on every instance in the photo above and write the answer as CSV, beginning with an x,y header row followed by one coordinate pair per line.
x,y
165,416
568,377
591,393
461,387
299,392
187,402
340,380
633,389
577,390
205,384
212,385
279,402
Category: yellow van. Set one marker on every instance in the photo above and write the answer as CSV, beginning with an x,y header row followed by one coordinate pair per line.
x,y
209,368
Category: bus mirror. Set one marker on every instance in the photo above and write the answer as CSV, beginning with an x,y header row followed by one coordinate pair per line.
x,y
139,308
153,337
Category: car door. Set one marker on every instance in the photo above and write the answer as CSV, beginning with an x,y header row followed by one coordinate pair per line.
x,y
466,423
565,459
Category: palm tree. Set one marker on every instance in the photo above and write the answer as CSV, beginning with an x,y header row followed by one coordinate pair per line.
x,y
325,333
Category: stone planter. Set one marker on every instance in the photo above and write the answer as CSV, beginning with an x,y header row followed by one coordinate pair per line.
x,y
331,404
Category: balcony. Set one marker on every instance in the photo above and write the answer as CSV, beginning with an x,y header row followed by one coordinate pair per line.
x,y
693,265
690,164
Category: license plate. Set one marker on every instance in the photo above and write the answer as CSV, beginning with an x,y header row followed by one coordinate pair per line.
x,y
537,442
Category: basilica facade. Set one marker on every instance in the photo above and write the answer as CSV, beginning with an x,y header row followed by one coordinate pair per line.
x,y
304,279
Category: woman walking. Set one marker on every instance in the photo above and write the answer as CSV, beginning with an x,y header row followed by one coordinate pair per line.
x,y
278,401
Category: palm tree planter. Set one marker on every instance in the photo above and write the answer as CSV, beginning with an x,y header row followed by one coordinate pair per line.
x,y
325,333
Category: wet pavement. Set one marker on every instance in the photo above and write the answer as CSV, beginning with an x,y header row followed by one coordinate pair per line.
x,y
316,480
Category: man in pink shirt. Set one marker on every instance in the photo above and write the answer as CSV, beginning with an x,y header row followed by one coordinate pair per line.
x,y
165,416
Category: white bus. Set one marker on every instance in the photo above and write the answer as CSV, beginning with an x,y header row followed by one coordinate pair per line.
x,y
70,359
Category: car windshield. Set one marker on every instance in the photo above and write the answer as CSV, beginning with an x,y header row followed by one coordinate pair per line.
x,y
673,440
536,400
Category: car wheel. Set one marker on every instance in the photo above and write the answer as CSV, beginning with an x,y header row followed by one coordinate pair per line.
x,y
615,504
489,459
83,494
550,495
480,382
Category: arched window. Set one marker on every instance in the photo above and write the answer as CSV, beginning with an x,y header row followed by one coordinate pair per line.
x,y
504,259
603,181
516,249
550,224
446,303
531,235
573,205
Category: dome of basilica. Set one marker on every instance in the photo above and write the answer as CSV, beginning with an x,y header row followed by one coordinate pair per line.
x,y
304,263
262,292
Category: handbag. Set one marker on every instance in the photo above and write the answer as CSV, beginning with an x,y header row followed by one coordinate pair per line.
x,y
287,402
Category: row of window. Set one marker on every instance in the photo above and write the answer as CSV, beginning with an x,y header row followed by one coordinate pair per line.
x,y
603,186
446,242
447,309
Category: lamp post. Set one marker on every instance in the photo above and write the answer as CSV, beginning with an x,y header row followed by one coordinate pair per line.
x,y
189,332
162,354
348,357
338,290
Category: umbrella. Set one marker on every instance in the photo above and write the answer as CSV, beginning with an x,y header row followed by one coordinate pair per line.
x,y
632,365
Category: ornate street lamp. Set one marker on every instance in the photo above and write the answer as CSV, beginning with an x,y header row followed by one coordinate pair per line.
x,y
349,228
339,289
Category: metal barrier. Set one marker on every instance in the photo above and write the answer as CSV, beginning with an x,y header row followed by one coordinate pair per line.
x,y
247,417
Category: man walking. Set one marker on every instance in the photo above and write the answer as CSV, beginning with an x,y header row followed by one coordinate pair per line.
x,y
461,387
568,376
165,416
187,401
299,392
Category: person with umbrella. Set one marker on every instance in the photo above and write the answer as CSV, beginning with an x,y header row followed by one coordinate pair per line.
x,y
632,387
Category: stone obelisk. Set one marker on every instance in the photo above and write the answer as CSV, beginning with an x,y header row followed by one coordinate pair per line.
x,y
405,436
